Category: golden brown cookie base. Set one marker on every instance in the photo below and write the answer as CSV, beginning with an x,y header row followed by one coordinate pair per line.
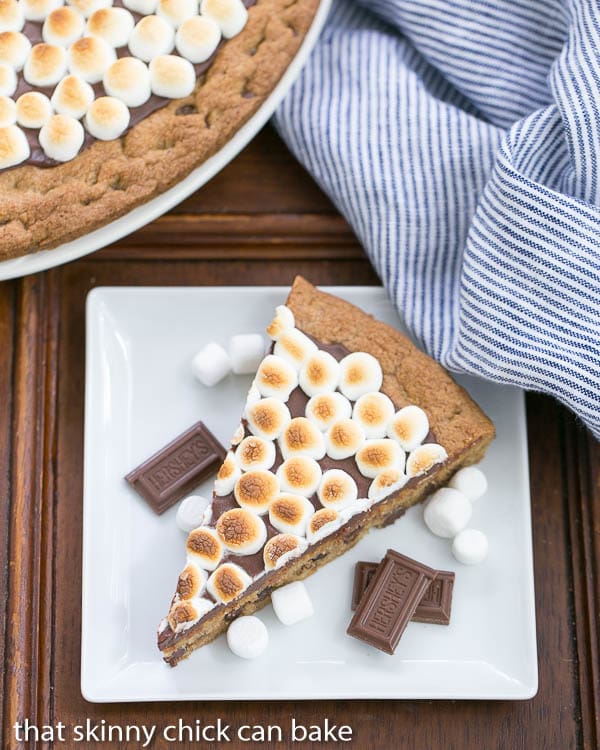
x,y
42,208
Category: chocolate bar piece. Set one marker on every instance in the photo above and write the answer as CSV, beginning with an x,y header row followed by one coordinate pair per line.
x,y
363,575
390,602
178,468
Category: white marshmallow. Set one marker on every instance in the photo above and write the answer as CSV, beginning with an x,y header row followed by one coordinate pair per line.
x,y
247,637
295,347
204,547
276,378
231,15
283,321
33,110
72,97
63,27
227,476
211,364
8,80
282,548
176,12
377,455
386,483
172,77
142,7
268,418
228,582
343,439
292,603
252,398
360,373
319,374
8,111
151,37
471,481
190,512
128,79
324,522
37,10
14,147
423,458
14,49
302,438
107,118
373,411
337,489
290,514
447,512
246,351
241,531
197,39
361,505
112,25
255,453
300,475
409,427
61,138
255,490
470,546
87,7
327,408
12,17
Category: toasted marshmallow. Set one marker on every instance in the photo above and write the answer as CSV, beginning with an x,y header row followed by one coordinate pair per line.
x,y
33,110
89,58
227,475
12,17
8,111
282,322
61,138
290,514
227,582
268,418
113,25
386,483
276,378
14,49
8,80
191,582
337,489
14,147
151,37
373,411
143,7
300,475
128,79
172,77
282,548
409,427
184,613
238,435
72,97
63,26
204,547
38,10
252,398
231,15
423,458
361,505
255,453
241,531
344,438
295,347
107,118
255,489
319,374
379,455
45,66
360,374
176,12
87,7
302,438
197,38
327,408
324,522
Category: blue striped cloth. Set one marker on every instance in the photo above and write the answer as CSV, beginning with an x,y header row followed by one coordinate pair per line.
x,y
461,139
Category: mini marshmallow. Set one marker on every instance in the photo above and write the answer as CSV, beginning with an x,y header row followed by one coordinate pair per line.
x,y
176,12
292,603
276,378
386,483
359,373
247,637
14,49
89,58
471,481
300,475
241,531
227,476
373,411
327,408
255,453
151,37
107,118
470,546
191,512
268,418
228,582
361,505
14,147
87,7
12,17
63,27
302,438
38,10
246,350
252,398
33,110
255,490
378,455
282,322
211,364
337,489
8,80
197,39
191,582
184,613
282,548
447,512
295,347
72,97
238,435
231,15
324,522
128,79
45,66
409,427
290,514
61,138
319,374
343,439
8,111
142,7
423,458
204,547
112,25
172,77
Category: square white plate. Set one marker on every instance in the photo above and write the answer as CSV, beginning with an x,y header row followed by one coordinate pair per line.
x,y
140,393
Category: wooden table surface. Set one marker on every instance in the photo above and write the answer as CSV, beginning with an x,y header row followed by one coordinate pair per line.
x,y
261,221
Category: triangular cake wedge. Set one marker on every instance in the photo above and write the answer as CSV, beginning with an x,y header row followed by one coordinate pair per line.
x,y
347,425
